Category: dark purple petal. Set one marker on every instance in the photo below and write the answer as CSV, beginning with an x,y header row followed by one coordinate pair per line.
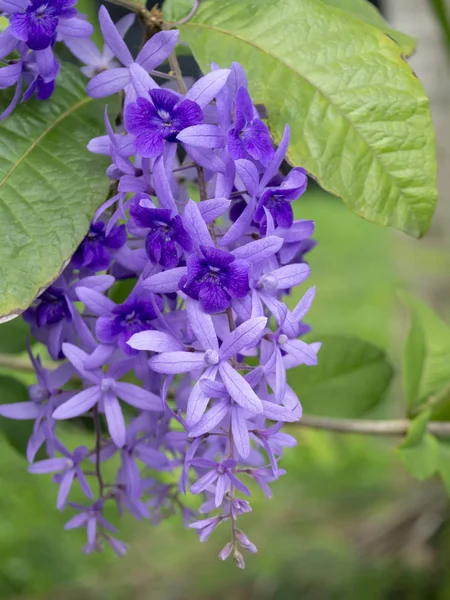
x,y
237,279
213,298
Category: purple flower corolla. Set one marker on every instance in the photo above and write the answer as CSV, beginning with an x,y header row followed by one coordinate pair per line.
x,y
213,358
118,322
278,199
166,234
153,53
67,468
92,518
205,527
215,278
221,474
96,61
95,251
37,22
104,391
250,135
162,118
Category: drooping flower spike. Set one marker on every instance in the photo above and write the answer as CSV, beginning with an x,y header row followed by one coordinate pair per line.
x,y
170,324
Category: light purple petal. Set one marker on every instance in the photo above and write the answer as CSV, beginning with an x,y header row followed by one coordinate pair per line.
x,y
21,411
77,357
291,275
141,80
95,302
10,75
108,83
260,249
172,363
300,230
206,88
274,166
75,27
248,174
275,412
239,389
204,482
299,353
115,420
77,521
50,465
154,341
7,42
113,38
196,226
214,389
99,283
211,419
12,6
221,488
196,404
78,404
214,208
202,325
205,158
100,356
277,308
240,432
64,489
157,49
85,50
138,397
304,304
246,335
202,136
240,226
165,282
280,376
162,185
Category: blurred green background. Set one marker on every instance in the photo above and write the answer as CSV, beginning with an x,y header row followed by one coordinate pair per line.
x,y
346,522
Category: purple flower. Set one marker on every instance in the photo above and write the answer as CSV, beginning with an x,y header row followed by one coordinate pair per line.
x,y
161,119
68,468
164,235
92,518
250,135
105,390
215,279
94,252
220,474
39,21
278,199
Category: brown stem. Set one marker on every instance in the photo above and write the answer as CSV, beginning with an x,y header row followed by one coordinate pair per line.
x,y
368,426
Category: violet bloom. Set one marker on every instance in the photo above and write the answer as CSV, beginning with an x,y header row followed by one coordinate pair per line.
x,y
94,252
96,61
221,475
250,135
118,322
161,119
104,390
92,518
215,279
166,232
67,468
37,22
278,199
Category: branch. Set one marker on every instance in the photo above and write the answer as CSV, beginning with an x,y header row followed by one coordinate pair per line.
x,y
15,363
368,426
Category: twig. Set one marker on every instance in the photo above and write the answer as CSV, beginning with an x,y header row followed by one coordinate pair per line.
x,y
188,17
368,426
15,363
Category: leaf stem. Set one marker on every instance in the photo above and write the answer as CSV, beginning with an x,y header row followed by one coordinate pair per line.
x,y
188,17
369,426
15,363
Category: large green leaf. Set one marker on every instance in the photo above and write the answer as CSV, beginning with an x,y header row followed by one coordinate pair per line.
x,y
50,186
176,9
360,120
364,10
13,336
352,377
427,355
419,451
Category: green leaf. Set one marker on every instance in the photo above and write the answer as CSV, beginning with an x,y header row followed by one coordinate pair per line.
x,y
352,377
16,432
360,120
419,451
13,336
173,10
428,344
90,9
414,357
50,186
364,10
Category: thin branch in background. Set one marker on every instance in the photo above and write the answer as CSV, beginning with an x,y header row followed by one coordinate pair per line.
x,y
369,426
16,364
439,7
188,17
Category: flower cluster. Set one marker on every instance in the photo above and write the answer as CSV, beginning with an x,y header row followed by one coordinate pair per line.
x,y
184,376
26,44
